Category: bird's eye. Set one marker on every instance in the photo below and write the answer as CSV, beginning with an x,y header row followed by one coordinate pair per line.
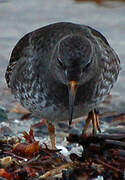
x,y
61,63
88,64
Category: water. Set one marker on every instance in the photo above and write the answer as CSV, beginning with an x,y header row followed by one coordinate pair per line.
x,y
20,17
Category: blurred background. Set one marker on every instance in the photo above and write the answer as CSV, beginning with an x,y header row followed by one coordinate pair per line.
x,y
18,17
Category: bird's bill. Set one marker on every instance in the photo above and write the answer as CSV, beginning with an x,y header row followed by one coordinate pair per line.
x,y
72,93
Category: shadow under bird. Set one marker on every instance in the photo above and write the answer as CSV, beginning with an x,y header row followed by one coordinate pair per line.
x,y
62,70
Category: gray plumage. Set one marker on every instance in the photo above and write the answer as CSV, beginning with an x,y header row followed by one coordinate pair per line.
x,y
44,59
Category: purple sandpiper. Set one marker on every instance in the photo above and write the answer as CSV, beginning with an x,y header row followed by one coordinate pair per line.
x,y
63,70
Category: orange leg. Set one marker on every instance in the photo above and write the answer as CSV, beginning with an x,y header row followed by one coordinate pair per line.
x,y
51,130
92,116
94,122
97,122
87,122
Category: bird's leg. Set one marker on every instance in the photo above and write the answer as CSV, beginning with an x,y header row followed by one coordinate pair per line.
x,y
51,130
97,121
94,122
92,115
87,121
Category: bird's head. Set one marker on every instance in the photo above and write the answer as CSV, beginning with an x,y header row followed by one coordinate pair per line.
x,y
74,65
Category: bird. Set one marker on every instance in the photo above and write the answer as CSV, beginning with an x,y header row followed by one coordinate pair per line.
x,y
63,71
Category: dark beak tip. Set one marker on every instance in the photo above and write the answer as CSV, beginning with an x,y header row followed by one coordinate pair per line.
x,y
70,122
69,126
